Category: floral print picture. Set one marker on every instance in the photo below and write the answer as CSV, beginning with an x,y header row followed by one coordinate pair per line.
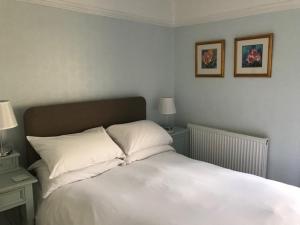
x,y
210,57
253,56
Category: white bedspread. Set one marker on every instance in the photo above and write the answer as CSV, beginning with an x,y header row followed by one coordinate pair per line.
x,y
170,189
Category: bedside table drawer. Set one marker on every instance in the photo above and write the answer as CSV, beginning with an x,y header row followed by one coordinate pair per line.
x,y
12,199
180,137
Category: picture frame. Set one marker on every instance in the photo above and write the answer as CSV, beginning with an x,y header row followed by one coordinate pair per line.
x,y
253,56
210,58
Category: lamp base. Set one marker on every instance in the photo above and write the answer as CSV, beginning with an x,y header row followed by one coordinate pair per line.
x,y
5,152
170,130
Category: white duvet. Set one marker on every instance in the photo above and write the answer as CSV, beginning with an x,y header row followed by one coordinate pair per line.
x,y
170,189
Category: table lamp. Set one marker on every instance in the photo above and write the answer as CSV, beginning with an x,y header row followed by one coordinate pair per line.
x,y
167,108
7,121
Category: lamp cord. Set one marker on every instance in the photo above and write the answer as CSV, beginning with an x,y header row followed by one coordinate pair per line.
x,y
1,142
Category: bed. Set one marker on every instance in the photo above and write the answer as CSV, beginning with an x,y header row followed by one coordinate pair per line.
x,y
163,189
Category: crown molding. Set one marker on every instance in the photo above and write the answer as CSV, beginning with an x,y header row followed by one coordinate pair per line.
x,y
97,10
172,22
234,14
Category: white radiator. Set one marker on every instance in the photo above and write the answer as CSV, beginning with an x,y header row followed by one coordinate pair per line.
x,y
230,150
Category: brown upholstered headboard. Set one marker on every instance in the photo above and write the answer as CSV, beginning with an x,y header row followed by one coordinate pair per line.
x,y
54,120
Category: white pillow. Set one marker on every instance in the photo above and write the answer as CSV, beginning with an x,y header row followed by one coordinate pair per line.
x,y
136,136
50,185
75,151
145,153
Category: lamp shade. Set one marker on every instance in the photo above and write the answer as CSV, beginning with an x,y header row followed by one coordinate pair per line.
x,y
7,116
166,106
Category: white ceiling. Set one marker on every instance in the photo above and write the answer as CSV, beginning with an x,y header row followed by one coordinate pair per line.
x,y
188,12
172,12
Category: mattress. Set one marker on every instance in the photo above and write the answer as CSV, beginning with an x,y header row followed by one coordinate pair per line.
x,y
170,189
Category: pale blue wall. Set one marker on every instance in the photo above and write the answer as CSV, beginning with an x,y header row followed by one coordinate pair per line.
x,y
49,55
258,106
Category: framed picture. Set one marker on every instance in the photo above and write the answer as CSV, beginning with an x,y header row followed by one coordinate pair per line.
x,y
210,58
253,56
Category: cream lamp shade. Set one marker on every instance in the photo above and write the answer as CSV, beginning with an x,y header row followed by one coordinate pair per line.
x,y
7,116
166,106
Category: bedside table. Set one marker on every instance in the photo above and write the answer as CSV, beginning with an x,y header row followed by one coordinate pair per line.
x,y
16,193
180,137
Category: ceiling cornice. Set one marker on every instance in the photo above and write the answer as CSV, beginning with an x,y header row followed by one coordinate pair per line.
x,y
233,14
171,22
96,10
